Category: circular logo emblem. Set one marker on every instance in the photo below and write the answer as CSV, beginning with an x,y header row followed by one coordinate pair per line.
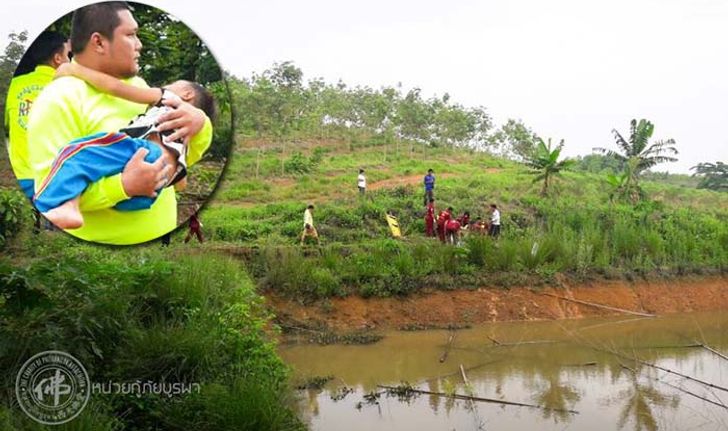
x,y
52,387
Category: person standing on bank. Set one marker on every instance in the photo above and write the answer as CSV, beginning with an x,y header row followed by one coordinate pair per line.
x,y
308,227
429,181
195,226
494,229
361,182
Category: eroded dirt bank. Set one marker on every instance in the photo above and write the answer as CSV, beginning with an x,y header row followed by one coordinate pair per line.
x,y
466,307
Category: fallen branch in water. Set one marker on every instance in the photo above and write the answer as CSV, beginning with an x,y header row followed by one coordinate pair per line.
x,y
683,346
719,404
640,361
606,307
447,347
478,422
586,364
398,389
710,349
521,343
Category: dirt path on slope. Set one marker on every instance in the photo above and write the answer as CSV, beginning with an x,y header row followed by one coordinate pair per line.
x,y
466,307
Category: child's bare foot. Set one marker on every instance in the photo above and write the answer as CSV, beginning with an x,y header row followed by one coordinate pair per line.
x,y
66,216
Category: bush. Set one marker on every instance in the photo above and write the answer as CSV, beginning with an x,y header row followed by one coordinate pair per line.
x,y
15,212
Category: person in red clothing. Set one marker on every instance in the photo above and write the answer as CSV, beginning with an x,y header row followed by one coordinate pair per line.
x,y
452,231
480,226
195,227
442,219
464,219
430,219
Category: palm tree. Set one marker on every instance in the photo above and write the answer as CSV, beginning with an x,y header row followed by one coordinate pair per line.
x,y
545,162
637,156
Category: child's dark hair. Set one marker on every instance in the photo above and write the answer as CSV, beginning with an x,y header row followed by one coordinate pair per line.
x,y
204,100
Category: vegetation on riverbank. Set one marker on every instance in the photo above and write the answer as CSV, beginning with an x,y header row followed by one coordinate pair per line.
x,y
144,315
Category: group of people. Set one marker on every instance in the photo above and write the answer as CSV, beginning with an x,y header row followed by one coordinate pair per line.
x,y
100,153
449,228
446,227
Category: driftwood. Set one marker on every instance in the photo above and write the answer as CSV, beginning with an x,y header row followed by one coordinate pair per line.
x,y
606,307
447,347
481,399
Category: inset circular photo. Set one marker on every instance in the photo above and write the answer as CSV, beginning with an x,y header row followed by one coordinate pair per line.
x,y
119,123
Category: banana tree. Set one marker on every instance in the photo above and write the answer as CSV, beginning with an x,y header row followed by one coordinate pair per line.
x,y
545,162
637,155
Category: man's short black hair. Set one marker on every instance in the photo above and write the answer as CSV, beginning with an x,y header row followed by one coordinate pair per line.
x,y
361,171
310,207
41,51
430,171
102,18
493,206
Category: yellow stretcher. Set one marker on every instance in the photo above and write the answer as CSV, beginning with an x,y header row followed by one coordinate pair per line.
x,y
393,226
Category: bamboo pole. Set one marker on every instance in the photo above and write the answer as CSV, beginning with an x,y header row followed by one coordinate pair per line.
x,y
606,307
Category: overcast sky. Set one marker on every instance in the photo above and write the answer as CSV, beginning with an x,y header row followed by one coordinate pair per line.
x,y
569,69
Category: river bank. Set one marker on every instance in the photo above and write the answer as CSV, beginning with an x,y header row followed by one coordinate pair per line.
x,y
460,308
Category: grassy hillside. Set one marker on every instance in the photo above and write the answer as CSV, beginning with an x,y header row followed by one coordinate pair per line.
x,y
576,230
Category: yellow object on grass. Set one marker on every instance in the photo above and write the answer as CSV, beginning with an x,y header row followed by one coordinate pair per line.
x,y
393,226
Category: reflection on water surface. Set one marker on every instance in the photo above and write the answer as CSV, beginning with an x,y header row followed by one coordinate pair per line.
x,y
585,365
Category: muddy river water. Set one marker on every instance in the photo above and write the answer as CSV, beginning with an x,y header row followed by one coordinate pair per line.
x,y
590,374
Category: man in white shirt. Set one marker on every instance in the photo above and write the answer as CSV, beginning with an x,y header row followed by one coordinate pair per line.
x,y
494,229
308,228
361,182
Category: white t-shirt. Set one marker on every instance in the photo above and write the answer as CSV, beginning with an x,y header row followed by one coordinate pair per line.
x,y
495,217
307,218
362,181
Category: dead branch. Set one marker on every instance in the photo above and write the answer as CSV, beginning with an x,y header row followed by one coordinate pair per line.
x,y
481,399
606,307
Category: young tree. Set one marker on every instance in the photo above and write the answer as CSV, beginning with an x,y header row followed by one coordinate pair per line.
x,y
638,156
714,176
514,140
545,162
